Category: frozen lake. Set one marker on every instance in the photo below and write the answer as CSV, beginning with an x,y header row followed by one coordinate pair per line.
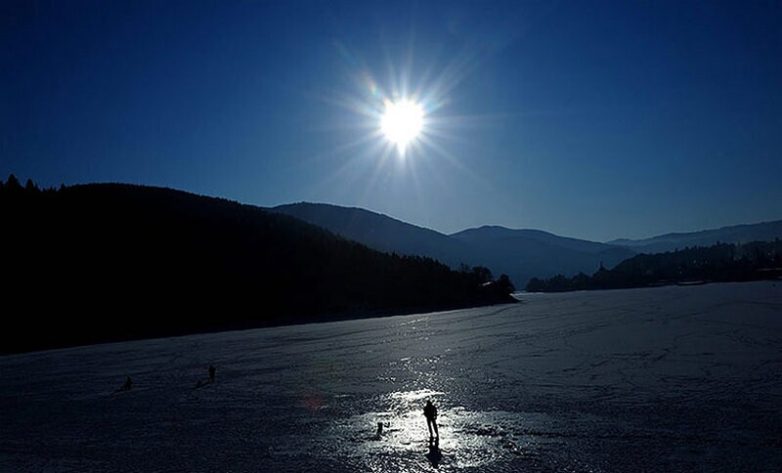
x,y
665,379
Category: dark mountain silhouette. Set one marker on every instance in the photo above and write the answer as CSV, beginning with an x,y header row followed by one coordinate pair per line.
x,y
103,262
765,231
521,254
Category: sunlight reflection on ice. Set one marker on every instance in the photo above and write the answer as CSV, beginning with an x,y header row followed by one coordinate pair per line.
x,y
414,395
468,439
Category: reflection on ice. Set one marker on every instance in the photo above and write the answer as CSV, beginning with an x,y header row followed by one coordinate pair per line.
x,y
467,439
414,395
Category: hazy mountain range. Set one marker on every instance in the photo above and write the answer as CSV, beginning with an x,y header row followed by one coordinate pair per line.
x,y
522,254
765,231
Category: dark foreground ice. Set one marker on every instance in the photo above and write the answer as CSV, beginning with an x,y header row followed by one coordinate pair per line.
x,y
664,380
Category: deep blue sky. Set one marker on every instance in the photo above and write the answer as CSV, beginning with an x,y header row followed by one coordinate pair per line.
x,y
595,120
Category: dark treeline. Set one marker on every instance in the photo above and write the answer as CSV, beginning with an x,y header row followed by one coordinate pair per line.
x,y
717,263
103,262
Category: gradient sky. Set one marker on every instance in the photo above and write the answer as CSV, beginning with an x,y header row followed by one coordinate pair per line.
x,y
595,120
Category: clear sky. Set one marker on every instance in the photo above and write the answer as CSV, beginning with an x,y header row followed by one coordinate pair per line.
x,y
589,119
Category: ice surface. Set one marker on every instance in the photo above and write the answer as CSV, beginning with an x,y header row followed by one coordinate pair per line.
x,y
664,379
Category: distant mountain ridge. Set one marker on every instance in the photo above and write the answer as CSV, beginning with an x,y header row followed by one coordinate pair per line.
x,y
744,233
522,254
380,232
525,253
499,232
722,262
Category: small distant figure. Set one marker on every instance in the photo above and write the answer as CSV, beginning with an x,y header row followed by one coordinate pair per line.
x,y
379,430
127,385
204,382
430,412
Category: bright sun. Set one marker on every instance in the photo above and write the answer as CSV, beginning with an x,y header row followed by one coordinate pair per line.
x,y
402,122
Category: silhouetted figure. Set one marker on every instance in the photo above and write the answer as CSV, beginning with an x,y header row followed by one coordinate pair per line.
x,y
212,371
434,455
430,412
127,385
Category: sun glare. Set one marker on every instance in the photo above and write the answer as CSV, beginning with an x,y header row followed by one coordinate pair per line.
x,y
402,122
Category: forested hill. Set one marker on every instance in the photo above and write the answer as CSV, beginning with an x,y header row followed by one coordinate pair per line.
x,y
717,263
104,262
